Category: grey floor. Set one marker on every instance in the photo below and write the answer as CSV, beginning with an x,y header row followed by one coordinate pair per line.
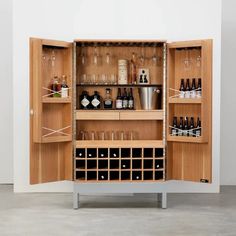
x,y
49,214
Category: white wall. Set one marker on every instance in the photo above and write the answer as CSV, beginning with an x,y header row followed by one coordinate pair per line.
x,y
228,94
160,19
6,131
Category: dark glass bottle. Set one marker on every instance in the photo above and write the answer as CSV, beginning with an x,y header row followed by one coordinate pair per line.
x,y
181,126
187,92
174,127
191,127
84,100
186,128
193,89
199,88
131,99
108,100
119,99
182,89
125,100
198,128
95,101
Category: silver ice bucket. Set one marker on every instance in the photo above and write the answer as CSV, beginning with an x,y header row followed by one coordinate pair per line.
x,y
150,98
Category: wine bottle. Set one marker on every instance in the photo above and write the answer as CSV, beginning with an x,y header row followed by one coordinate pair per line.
x,y
182,89
174,126
119,99
198,128
95,101
186,128
181,126
84,100
64,88
191,127
125,100
199,88
187,92
131,99
193,89
108,100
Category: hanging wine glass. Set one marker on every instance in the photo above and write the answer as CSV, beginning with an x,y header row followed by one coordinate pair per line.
x,y
53,58
108,56
198,59
154,56
95,55
83,56
142,56
187,60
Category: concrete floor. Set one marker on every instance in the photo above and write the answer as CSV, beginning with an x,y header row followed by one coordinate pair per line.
x,y
50,214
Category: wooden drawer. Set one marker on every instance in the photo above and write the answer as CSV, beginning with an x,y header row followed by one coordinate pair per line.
x,y
141,115
97,115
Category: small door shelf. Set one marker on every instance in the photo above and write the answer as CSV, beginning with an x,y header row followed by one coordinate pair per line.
x,y
56,100
186,139
185,100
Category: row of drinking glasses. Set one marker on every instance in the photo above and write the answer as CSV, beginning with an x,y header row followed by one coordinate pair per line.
x,y
98,79
108,135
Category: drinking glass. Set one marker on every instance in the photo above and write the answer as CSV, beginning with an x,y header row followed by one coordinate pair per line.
x,y
95,55
104,79
83,79
113,79
94,79
187,60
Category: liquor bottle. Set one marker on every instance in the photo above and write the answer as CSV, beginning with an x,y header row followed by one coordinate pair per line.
x,y
119,99
185,133
133,70
174,127
193,89
56,87
131,99
84,100
191,127
125,100
108,100
64,88
187,92
95,101
181,126
198,128
199,88
182,89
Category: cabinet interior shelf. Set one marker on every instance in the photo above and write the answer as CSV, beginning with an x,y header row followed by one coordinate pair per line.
x,y
56,100
185,100
119,143
120,85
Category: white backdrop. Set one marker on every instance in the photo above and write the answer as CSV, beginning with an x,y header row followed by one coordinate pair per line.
x,y
6,118
70,19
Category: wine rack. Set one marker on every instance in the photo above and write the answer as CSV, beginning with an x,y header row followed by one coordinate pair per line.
x,y
119,164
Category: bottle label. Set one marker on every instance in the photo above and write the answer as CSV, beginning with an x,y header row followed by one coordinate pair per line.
x,y
125,103
64,92
198,133
119,104
199,93
180,132
95,102
85,102
173,132
187,94
193,94
131,104
181,95
108,102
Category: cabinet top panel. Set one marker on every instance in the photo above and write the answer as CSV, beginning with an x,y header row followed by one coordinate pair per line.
x,y
121,42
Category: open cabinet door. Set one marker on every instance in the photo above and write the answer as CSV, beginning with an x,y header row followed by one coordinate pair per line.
x,y
51,153
189,149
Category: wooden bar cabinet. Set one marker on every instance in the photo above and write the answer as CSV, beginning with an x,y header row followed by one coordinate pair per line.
x,y
61,146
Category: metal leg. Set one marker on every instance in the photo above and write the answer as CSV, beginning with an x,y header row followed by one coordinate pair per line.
x,y
164,200
75,200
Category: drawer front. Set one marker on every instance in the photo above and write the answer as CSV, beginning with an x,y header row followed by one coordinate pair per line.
x,y
97,115
141,115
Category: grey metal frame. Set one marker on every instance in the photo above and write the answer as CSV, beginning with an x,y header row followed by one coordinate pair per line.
x,y
86,188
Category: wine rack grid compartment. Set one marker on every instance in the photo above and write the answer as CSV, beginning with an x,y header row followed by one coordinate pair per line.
x,y
119,164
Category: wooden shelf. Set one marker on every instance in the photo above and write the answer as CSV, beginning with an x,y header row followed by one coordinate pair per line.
x,y
55,139
119,143
119,115
120,85
185,100
56,100
186,139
